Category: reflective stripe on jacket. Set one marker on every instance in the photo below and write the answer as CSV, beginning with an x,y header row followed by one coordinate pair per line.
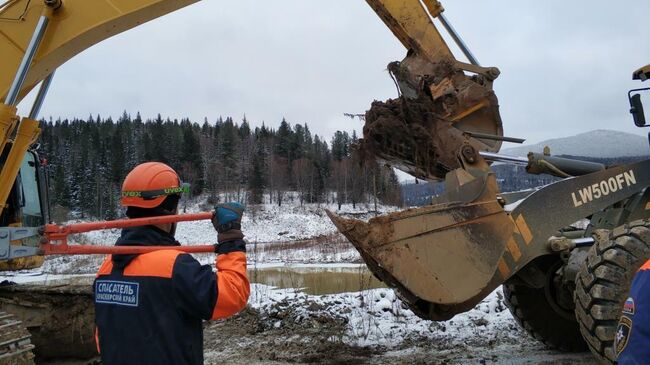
x,y
632,337
149,308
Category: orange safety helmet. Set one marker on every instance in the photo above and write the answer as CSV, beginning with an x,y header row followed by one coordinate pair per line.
x,y
148,184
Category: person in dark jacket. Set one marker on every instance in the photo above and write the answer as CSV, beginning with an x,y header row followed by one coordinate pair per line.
x,y
632,337
149,308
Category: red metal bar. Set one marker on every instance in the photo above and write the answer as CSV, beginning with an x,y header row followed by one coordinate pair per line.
x,y
124,223
55,237
65,249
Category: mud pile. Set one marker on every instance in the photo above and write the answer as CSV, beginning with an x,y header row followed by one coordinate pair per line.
x,y
422,131
399,132
283,335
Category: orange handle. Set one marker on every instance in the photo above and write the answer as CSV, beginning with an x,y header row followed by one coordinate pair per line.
x,y
55,229
59,234
65,249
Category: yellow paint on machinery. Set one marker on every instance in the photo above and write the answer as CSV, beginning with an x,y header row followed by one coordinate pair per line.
x,y
410,23
75,26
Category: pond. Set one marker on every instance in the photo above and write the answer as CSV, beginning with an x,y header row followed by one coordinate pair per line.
x,y
316,279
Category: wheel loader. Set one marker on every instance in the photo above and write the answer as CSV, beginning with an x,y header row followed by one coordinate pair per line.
x,y
563,283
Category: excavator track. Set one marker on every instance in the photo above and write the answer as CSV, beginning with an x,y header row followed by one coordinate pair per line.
x,y
15,342
58,314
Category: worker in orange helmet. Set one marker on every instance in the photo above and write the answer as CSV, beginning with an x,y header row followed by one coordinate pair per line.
x,y
149,308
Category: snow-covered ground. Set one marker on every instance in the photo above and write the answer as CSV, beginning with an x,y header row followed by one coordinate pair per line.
x,y
372,327
377,317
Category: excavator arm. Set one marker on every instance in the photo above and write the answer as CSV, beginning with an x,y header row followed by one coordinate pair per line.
x,y
71,27
412,24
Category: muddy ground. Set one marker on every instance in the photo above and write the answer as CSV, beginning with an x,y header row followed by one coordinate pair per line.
x,y
366,327
285,333
329,329
288,336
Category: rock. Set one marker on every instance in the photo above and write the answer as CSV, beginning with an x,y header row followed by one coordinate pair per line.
x,y
481,321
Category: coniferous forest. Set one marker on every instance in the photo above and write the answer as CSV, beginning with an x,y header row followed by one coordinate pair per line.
x,y
223,159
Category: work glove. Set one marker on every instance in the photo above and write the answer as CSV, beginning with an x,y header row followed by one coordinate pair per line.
x,y
227,222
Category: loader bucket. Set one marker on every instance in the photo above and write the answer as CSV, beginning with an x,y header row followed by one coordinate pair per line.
x,y
444,254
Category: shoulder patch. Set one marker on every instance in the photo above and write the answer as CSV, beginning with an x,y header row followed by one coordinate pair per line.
x,y
622,334
117,292
628,306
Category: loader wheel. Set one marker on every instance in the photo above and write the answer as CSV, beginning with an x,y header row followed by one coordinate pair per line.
x,y
547,313
603,283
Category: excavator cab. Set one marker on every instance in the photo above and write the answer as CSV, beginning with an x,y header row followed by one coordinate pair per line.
x,y
28,198
27,206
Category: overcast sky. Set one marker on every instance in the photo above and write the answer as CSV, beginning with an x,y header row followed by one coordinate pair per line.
x,y
565,66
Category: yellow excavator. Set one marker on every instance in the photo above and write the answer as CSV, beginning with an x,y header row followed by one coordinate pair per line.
x,y
563,283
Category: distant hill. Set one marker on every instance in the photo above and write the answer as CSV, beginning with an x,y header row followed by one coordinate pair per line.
x,y
600,143
604,146
509,178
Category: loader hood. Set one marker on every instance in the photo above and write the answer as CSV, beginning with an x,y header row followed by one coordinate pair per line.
x,y
141,236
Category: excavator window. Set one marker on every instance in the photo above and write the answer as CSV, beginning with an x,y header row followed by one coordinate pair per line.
x,y
25,203
32,212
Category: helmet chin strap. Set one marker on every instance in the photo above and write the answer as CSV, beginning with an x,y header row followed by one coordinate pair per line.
x,y
172,231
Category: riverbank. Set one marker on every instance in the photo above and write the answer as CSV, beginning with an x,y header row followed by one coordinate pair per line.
x,y
283,326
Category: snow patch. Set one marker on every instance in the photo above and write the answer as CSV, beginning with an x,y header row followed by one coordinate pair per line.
x,y
377,317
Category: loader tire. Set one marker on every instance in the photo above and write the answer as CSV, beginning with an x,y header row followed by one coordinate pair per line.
x,y
542,314
603,283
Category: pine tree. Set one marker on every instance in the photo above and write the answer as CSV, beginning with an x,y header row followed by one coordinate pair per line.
x,y
257,180
192,160
227,152
283,140
118,158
